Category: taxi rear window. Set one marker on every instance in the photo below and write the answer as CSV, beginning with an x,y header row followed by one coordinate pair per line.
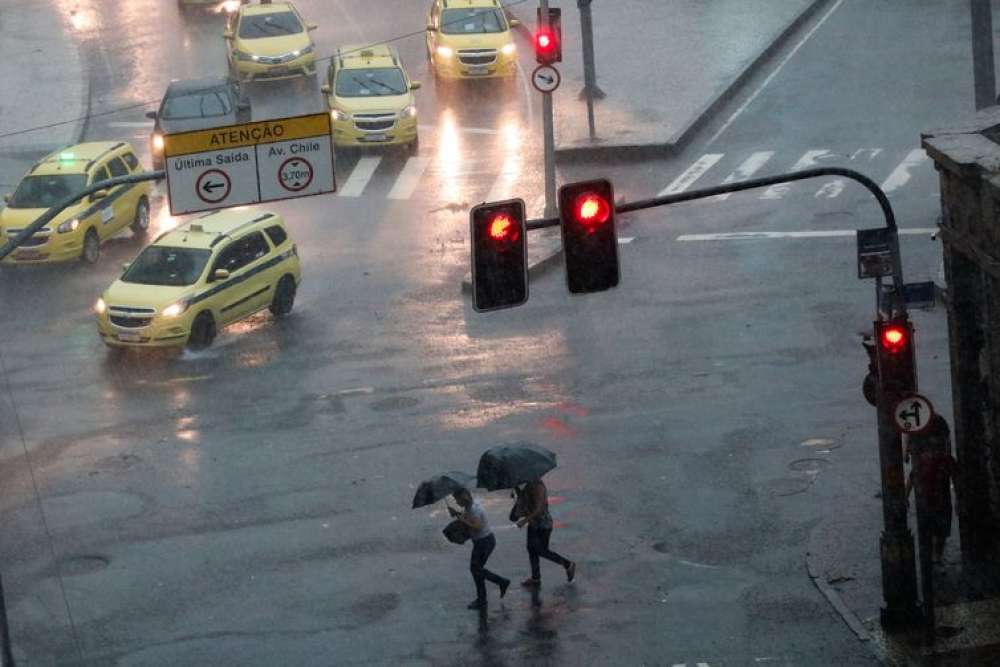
x,y
274,24
471,21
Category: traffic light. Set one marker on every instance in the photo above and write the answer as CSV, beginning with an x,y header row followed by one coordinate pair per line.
x,y
499,255
548,40
897,369
590,242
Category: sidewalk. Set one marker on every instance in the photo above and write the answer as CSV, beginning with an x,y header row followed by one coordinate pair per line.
x,y
701,53
38,52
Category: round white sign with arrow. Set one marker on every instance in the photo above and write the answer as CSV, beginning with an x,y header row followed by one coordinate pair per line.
x,y
912,414
545,78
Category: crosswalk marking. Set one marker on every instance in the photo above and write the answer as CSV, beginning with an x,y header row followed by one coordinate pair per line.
x,y
409,178
359,178
900,176
692,174
816,234
809,159
749,167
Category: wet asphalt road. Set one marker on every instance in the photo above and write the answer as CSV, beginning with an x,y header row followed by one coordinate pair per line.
x,y
249,504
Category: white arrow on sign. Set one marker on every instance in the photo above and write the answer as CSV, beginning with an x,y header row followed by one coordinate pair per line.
x,y
913,414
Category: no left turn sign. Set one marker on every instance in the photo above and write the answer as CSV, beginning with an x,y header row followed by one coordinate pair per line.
x,y
295,174
212,186
912,414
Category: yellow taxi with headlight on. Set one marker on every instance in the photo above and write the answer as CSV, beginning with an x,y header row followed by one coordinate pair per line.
x,y
79,231
200,277
471,39
370,97
269,41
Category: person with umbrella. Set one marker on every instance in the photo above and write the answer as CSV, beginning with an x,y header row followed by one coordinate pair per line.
x,y
483,543
521,467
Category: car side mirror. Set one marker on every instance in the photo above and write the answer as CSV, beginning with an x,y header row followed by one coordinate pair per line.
x,y
312,26
100,194
227,34
151,115
220,274
326,89
514,23
414,85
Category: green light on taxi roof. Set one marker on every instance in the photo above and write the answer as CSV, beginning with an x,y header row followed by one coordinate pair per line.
x,y
66,156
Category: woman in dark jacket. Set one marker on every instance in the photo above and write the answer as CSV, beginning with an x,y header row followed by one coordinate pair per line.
x,y
532,510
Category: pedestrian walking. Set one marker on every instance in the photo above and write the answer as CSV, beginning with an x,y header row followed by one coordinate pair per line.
x,y
531,509
483,543
931,473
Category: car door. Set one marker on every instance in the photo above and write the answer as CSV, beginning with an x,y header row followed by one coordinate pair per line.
x,y
242,292
124,197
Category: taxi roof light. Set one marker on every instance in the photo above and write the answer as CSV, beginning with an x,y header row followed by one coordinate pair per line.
x,y
66,156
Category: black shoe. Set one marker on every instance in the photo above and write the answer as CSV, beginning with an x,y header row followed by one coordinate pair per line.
x,y
570,571
531,583
503,587
477,604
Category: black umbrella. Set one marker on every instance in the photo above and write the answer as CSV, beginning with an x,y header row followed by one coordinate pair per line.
x,y
440,486
507,466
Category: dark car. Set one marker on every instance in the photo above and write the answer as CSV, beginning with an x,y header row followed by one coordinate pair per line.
x,y
195,104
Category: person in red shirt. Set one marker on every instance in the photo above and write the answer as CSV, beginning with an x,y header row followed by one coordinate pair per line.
x,y
932,472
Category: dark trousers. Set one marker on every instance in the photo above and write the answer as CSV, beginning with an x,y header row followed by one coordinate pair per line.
x,y
538,547
481,550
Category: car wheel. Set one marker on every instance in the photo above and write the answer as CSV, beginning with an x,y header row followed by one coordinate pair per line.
x,y
140,223
284,297
414,146
202,331
91,247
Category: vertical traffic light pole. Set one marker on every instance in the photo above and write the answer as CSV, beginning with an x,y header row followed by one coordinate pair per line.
x,y
899,588
548,128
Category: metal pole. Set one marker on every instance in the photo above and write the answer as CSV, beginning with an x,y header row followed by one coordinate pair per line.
x,y
549,135
590,90
984,76
6,651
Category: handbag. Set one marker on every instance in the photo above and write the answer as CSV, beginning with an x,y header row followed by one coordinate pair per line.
x,y
517,511
457,532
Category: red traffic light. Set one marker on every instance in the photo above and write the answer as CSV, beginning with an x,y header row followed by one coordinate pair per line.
x,y
591,209
894,338
544,41
503,229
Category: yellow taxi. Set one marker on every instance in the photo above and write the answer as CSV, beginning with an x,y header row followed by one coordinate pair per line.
x,y
199,277
471,39
269,41
371,98
77,232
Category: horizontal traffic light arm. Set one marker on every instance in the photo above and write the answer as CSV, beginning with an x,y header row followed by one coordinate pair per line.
x,y
767,181
52,212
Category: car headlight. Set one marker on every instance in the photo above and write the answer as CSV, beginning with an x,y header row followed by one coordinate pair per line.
x,y
175,309
445,51
240,55
509,49
337,114
70,225
409,112
302,52
100,307
158,142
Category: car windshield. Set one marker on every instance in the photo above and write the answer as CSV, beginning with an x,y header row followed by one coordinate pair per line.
x,y
46,191
160,265
212,102
269,25
371,82
471,21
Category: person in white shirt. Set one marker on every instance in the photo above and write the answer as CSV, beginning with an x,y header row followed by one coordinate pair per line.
x,y
483,543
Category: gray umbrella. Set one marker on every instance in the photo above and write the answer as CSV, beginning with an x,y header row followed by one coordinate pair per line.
x,y
507,466
439,486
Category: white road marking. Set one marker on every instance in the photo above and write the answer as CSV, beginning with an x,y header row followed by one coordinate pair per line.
x,y
692,174
770,77
503,186
872,153
359,178
625,240
749,167
138,123
831,189
409,178
831,233
809,159
900,176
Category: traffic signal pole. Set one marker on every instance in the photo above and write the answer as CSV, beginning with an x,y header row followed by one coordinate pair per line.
x,y
983,67
899,587
548,131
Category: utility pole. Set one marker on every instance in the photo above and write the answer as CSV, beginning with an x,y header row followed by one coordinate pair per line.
x,y
548,131
983,70
590,90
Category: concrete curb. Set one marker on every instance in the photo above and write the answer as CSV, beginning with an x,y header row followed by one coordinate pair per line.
x,y
673,144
